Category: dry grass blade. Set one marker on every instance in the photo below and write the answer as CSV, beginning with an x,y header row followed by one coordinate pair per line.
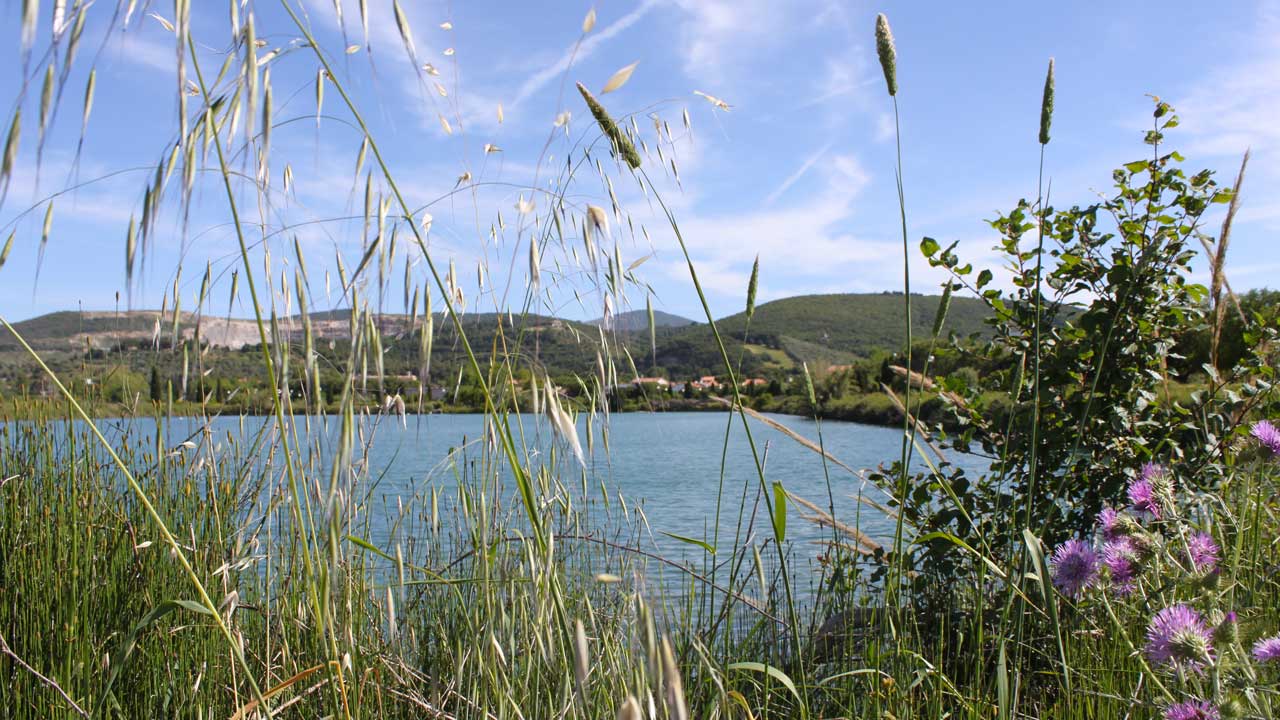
x,y
865,544
1218,261
804,441
915,424
924,383
4,650
249,707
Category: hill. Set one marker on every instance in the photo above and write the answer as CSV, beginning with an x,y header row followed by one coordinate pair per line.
x,y
820,330
854,323
636,320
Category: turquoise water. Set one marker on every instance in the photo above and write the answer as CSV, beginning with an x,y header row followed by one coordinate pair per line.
x,y
668,464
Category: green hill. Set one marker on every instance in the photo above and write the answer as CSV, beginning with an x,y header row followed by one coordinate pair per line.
x,y
855,323
636,320
820,330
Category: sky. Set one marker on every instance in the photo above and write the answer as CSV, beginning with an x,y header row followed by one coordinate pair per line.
x,y
797,170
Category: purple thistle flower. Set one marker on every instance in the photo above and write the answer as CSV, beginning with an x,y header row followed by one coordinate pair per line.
x,y
1121,558
1075,566
1178,636
1111,524
1267,650
1142,496
1267,435
1153,472
1191,710
1203,552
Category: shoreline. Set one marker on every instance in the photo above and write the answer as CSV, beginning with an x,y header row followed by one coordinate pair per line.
x,y
870,413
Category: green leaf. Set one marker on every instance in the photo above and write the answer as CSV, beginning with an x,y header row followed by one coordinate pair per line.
x,y
361,542
941,316
984,277
963,545
1137,166
779,512
690,541
131,640
929,246
1002,685
776,674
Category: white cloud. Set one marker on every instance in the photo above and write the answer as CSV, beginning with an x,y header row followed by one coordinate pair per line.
x,y
718,32
805,242
578,53
795,176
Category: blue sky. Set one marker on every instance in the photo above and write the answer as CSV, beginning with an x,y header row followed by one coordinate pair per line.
x,y
798,171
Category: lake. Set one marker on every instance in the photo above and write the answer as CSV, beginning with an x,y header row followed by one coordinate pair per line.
x,y
669,464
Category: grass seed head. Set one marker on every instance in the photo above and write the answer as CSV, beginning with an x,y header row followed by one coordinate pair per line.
x,y
610,128
887,52
1046,106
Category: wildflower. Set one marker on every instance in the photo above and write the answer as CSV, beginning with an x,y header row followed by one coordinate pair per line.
x,y
1178,636
1203,552
1191,710
1075,566
1151,472
1267,650
1111,524
1142,496
1267,435
1121,558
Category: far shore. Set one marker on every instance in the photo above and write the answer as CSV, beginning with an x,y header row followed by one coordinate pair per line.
x,y
15,409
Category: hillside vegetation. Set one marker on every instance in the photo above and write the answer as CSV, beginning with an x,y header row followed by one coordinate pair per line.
x,y
821,330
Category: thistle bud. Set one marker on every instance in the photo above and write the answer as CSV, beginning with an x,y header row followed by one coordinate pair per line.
x,y
1226,631
1046,106
888,54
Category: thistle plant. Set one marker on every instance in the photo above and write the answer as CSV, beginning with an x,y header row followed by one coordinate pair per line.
x,y
1160,573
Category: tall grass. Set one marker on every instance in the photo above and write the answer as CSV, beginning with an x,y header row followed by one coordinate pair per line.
x,y
236,567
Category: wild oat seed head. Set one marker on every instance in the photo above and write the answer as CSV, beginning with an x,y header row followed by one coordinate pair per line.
x,y
610,128
1046,106
887,52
